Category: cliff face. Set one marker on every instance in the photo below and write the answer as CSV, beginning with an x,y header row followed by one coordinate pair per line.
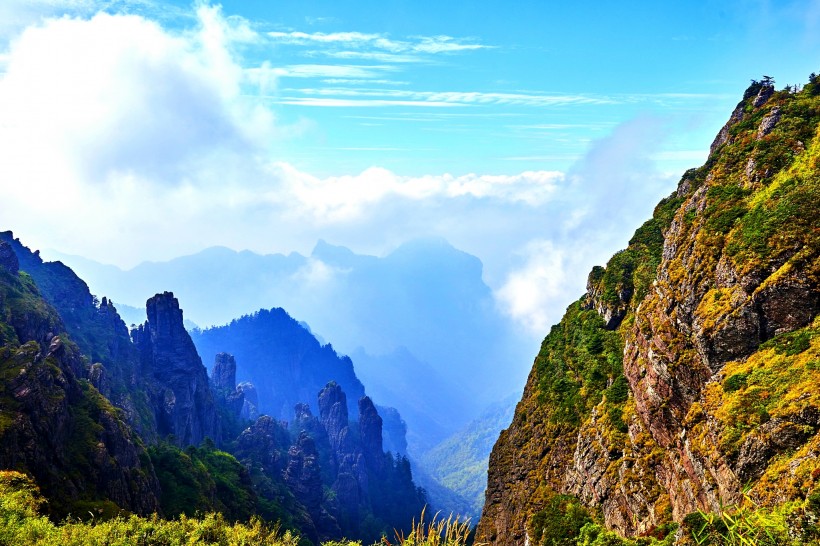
x,y
54,426
689,369
284,361
331,473
181,397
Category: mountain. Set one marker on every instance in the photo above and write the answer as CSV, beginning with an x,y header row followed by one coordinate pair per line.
x,y
106,423
421,326
426,401
424,302
53,425
460,461
284,361
685,379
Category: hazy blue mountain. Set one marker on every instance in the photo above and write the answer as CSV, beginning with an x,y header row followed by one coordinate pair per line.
x,y
420,324
425,299
283,360
425,399
459,463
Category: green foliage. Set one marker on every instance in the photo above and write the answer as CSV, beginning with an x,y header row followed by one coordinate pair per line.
x,y
202,479
560,522
593,534
735,382
577,361
20,524
438,532
743,525
790,343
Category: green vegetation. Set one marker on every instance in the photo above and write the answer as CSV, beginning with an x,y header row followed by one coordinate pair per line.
x,y
564,521
748,524
579,359
559,521
20,524
461,460
437,532
202,479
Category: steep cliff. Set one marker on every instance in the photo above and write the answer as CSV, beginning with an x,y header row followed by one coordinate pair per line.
x,y
53,424
689,369
282,359
99,332
181,397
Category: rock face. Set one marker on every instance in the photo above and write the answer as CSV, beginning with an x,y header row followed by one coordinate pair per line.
x,y
8,259
182,400
370,432
283,360
46,429
98,331
250,401
688,370
226,392
303,475
223,372
394,430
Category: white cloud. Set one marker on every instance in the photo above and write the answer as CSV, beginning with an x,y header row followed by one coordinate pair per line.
x,y
347,198
530,293
321,37
122,141
607,194
417,44
118,94
331,71
364,97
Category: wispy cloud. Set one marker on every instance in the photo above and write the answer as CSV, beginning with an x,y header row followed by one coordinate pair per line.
x,y
417,44
379,56
350,81
360,72
400,97
327,102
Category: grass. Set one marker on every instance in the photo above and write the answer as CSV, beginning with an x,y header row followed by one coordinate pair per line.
x,y
22,524
436,532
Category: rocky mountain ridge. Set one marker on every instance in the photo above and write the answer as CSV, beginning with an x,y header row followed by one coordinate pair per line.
x,y
111,424
686,377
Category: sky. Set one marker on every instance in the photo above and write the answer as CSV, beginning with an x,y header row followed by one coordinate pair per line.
x,y
535,135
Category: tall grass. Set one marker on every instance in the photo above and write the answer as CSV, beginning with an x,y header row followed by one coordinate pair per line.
x,y
437,532
742,524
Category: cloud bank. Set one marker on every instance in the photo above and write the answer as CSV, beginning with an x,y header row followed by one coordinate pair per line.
x,y
124,141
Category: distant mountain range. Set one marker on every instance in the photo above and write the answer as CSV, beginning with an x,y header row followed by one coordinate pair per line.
x,y
420,323
104,420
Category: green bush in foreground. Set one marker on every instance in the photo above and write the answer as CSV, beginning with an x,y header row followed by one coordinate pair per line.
x,y
20,525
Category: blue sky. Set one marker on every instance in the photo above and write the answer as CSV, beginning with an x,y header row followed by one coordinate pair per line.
x,y
489,87
534,135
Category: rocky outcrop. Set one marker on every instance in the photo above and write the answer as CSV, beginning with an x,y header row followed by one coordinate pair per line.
x,y
182,401
8,259
333,416
370,433
226,393
61,430
96,328
303,475
250,401
223,373
687,371
264,443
